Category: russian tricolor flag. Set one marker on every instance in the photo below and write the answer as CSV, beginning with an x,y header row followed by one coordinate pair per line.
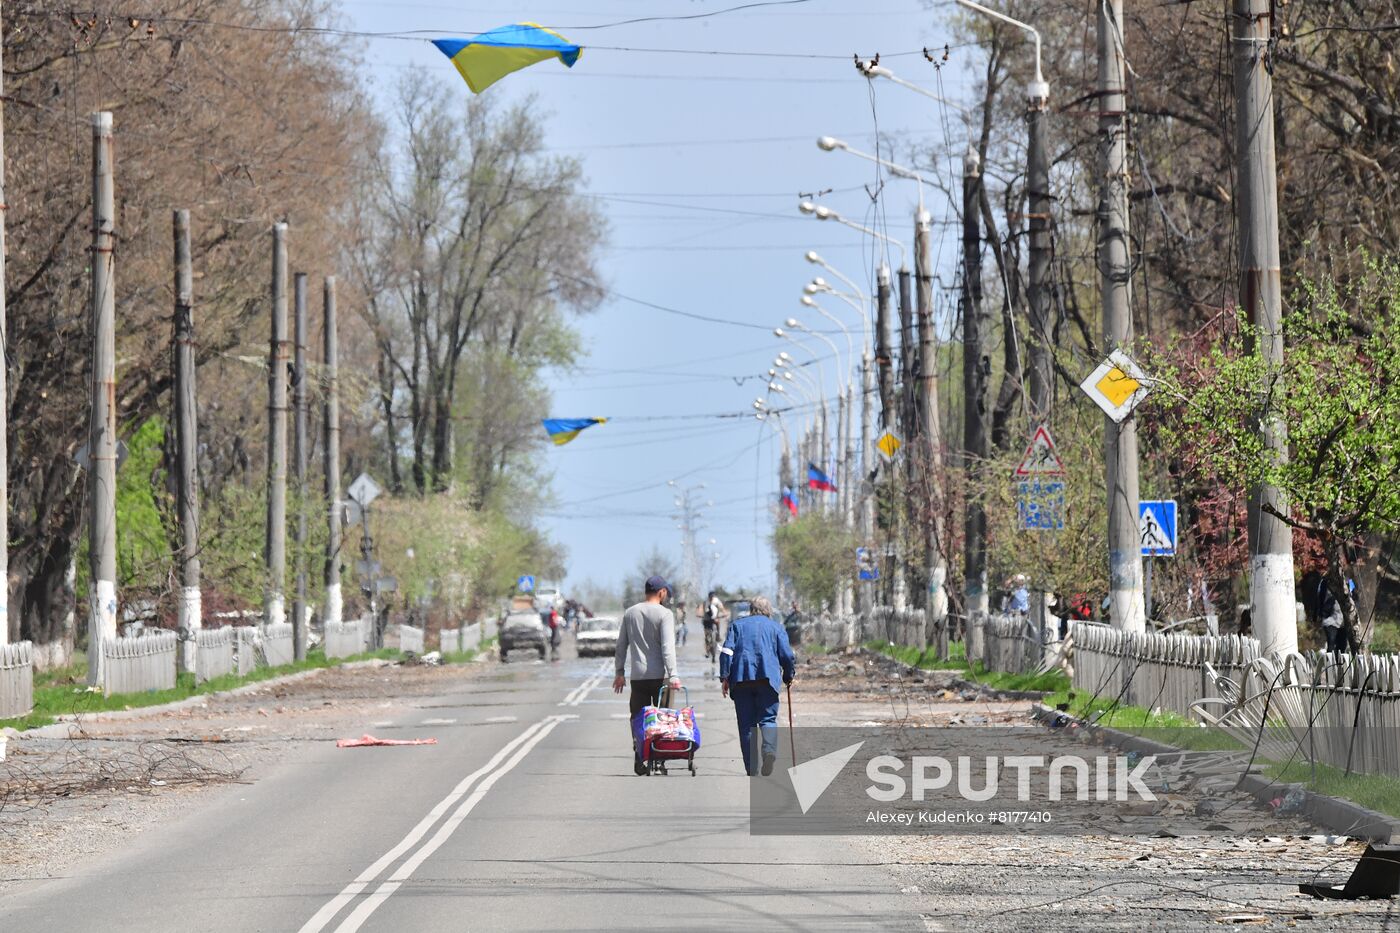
x,y
819,480
790,500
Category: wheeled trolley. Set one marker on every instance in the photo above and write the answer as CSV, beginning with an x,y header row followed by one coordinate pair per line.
x,y
665,735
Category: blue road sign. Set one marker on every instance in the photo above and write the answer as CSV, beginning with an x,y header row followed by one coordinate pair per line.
x,y
865,564
1157,527
1040,505
526,584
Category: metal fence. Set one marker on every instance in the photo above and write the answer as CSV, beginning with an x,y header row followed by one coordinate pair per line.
x,y
277,649
137,665
1339,711
1156,671
345,639
16,679
410,639
214,653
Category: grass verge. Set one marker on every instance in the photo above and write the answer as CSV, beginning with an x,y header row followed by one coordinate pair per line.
x,y
924,659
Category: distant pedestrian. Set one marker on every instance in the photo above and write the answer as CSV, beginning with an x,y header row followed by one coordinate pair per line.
x,y
647,642
754,663
1018,598
680,624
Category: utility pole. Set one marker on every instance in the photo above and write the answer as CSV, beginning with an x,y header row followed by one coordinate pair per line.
x,y
330,365
274,606
186,446
102,432
1126,607
976,371
1038,227
934,598
299,455
898,516
4,394
863,479
889,419
1261,295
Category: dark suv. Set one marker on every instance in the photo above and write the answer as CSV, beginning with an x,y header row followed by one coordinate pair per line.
x,y
524,631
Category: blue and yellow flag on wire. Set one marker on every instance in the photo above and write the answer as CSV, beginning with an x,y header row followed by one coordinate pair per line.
x,y
563,430
492,55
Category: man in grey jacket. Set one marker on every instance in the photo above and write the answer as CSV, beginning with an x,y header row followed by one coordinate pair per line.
x,y
647,643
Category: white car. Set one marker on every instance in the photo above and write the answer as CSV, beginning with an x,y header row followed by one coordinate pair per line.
x,y
549,597
598,635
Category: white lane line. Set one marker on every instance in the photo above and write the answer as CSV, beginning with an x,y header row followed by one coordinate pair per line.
x,y
576,695
327,913
405,871
438,722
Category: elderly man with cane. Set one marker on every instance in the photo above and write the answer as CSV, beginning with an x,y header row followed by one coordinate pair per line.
x,y
755,660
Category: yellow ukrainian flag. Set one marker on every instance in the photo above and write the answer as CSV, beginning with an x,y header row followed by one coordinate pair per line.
x,y
492,55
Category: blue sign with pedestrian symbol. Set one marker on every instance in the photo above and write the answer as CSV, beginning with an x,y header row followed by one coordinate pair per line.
x,y
526,584
1040,505
865,564
1157,527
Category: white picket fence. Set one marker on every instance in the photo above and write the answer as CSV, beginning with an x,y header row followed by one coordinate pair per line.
x,y
140,664
16,679
1153,670
1340,711
245,639
346,639
457,640
214,653
277,649
410,639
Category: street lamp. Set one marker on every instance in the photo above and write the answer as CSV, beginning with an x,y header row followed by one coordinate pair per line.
x,y
831,144
822,212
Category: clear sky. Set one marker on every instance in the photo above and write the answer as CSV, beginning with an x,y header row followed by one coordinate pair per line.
x,y
697,160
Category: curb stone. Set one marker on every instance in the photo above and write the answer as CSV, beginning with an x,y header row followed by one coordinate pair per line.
x,y
1334,814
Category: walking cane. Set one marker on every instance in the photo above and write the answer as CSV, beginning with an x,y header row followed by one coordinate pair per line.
x,y
791,741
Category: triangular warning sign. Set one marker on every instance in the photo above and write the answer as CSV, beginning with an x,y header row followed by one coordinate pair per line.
x,y
1041,459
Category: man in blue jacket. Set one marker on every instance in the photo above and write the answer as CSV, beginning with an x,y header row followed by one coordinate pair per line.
x,y
755,659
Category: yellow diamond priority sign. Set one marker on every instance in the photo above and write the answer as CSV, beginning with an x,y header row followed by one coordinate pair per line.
x,y
888,445
1117,385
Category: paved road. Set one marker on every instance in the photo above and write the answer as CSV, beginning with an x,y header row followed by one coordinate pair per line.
x,y
526,816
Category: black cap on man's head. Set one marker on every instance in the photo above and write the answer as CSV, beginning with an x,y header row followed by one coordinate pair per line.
x,y
655,585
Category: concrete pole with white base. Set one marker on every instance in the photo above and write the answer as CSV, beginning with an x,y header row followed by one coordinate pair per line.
x,y
102,433
186,446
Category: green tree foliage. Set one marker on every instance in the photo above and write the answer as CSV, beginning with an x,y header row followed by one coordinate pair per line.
x,y
1338,392
817,552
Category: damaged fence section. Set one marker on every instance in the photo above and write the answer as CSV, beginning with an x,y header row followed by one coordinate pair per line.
x,y
214,653
1342,711
450,640
16,679
140,664
1156,671
1011,644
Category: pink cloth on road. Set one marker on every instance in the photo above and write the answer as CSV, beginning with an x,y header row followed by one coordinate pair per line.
x,y
368,740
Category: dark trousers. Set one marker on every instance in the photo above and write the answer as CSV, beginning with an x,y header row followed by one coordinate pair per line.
x,y
1336,639
644,693
756,704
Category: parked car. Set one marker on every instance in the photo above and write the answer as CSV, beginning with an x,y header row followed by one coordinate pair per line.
x,y
523,631
598,635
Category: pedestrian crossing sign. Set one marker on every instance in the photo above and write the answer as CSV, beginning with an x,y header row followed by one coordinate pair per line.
x,y
1117,385
1157,527
888,445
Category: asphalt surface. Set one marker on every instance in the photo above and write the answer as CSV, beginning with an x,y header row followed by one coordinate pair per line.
x,y
525,816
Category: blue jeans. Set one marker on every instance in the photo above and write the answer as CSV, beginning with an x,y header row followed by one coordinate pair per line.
x,y
756,704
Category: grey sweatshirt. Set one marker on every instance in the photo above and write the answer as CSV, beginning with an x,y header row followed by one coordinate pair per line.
x,y
647,643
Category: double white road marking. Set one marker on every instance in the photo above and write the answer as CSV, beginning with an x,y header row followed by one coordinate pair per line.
x,y
473,788
577,694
